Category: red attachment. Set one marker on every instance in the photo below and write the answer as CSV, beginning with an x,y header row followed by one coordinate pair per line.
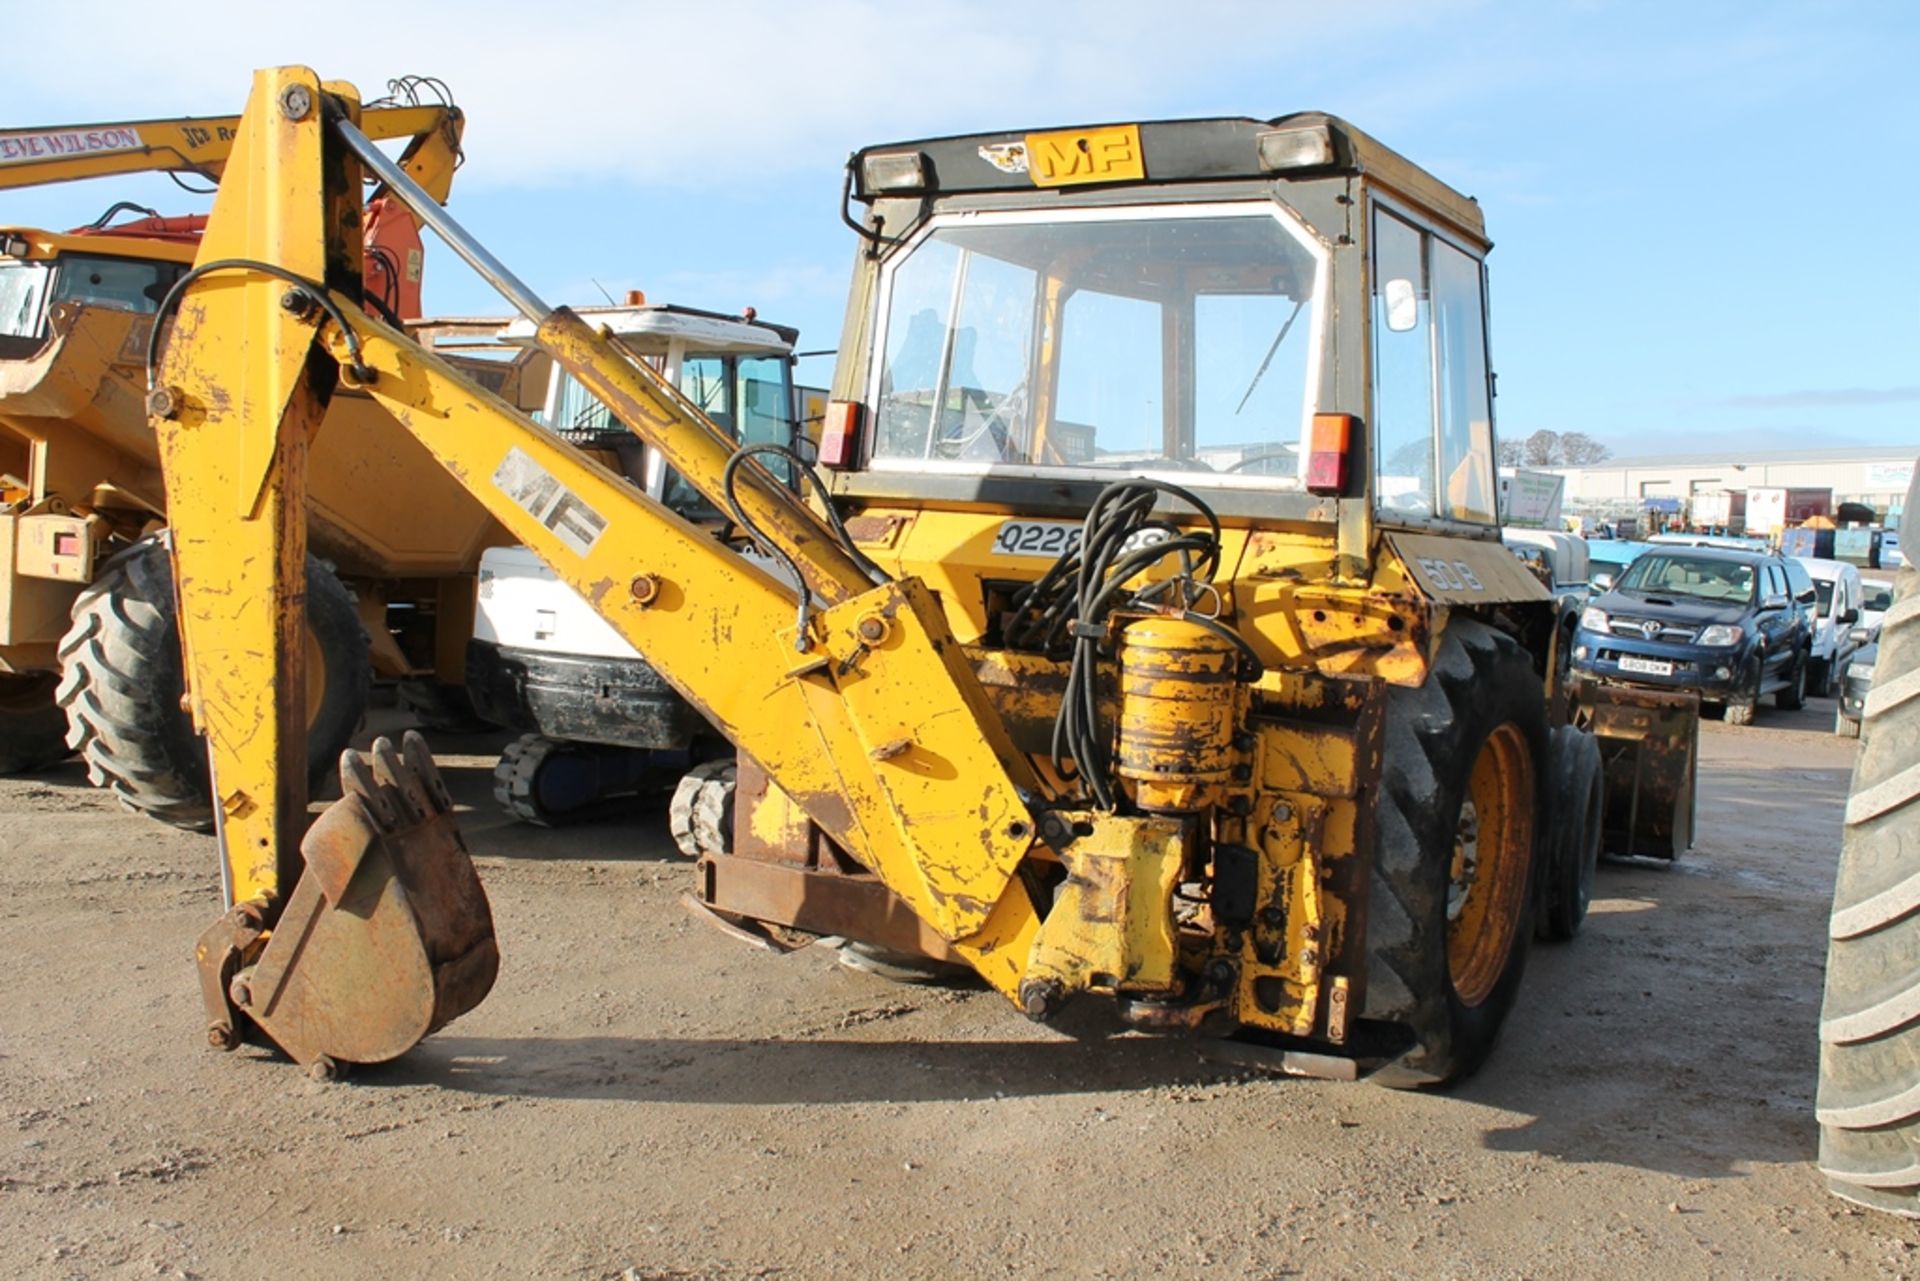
x,y
393,256
1327,444
181,229
840,434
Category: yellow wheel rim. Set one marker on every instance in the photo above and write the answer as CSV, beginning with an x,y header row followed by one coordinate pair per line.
x,y
316,678
1493,842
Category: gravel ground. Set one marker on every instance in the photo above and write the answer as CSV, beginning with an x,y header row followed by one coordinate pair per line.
x,y
643,1098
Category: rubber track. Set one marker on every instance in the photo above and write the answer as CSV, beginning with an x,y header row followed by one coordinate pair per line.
x,y
700,815
513,777
1869,1098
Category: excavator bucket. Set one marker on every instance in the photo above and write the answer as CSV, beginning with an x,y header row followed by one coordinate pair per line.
x,y
386,937
1649,749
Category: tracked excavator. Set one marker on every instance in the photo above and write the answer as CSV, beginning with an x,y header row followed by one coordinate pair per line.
x,y
89,649
1145,640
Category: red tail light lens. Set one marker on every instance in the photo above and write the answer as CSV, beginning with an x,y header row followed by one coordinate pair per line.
x,y
840,434
1328,442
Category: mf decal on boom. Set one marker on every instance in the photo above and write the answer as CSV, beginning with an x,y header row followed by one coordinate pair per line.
x,y
16,147
541,495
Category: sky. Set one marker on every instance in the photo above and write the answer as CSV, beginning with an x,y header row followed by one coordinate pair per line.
x,y
1703,212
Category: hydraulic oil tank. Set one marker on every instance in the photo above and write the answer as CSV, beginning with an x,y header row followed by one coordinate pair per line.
x,y
1177,702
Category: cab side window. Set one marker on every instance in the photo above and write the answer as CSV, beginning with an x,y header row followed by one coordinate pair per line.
x,y
1432,401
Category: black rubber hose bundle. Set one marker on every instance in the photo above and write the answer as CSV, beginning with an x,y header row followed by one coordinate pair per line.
x,y
1070,604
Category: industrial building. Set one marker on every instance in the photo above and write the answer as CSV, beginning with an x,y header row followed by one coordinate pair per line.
x,y
1876,476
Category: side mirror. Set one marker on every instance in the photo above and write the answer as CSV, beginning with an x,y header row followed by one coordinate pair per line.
x,y
1602,581
1403,305
1775,601
1848,617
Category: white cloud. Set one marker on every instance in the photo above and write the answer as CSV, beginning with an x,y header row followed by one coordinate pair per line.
x,y
722,93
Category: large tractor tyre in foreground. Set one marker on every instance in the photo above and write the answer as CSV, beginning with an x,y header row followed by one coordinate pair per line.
x,y
1869,1098
33,729
1463,781
121,686
1570,845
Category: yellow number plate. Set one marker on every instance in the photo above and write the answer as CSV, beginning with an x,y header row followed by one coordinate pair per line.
x,y
1069,156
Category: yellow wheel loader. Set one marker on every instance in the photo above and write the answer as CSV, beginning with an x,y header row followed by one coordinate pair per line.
x,y
89,647
1146,638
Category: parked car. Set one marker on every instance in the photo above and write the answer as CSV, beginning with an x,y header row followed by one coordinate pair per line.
x,y
1729,625
1608,558
1837,598
1732,542
1876,598
1562,556
1851,691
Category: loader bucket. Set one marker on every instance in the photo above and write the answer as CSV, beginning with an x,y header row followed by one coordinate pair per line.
x,y
387,935
1649,749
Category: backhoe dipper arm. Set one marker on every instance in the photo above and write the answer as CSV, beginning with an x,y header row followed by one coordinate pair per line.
x,y
870,717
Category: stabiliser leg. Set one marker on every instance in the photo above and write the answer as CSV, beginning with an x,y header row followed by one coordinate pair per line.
x,y
385,938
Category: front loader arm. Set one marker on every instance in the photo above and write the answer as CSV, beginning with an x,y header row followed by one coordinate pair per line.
x,y
867,715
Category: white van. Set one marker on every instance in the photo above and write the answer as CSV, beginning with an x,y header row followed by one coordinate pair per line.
x,y
1837,585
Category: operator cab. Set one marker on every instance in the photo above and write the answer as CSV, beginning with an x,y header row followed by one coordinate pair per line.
x,y
43,276
737,370
1281,315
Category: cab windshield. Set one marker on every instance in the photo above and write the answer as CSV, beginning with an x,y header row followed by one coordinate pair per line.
x,y
1114,341
1696,576
92,280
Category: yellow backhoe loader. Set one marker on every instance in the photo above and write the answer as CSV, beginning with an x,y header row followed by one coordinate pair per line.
x,y
1153,645
89,651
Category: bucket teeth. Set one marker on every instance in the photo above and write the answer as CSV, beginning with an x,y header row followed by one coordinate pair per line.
x,y
420,763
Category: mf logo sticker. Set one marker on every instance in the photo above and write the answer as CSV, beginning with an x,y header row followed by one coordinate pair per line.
x,y
1069,156
541,495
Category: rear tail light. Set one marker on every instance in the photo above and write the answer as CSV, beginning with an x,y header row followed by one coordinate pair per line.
x,y
1328,442
840,434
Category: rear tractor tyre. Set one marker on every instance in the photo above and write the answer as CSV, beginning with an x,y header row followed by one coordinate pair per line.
x,y
33,729
1577,800
121,686
1463,781
1868,1103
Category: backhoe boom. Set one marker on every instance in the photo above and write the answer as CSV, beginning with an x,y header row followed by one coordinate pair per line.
x,y
868,715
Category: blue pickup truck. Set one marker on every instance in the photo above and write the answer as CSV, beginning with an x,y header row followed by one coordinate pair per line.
x,y
1732,626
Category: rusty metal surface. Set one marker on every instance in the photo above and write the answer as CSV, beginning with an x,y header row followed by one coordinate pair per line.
x,y
1649,752
819,902
387,936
